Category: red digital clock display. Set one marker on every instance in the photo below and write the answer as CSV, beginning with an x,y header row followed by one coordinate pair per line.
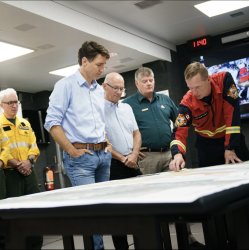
x,y
202,42
199,43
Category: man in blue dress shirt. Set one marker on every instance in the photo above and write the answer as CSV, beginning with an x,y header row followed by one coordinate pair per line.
x,y
75,119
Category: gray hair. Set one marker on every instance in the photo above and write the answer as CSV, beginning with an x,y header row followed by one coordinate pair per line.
x,y
6,92
143,71
112,77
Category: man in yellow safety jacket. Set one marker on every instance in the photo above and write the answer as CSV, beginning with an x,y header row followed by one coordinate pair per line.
x,y
23,151
20,177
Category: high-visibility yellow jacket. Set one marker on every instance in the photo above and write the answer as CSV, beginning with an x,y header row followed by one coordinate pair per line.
x,y
4,147
22,140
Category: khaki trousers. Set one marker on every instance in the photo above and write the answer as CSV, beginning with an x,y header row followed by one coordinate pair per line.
x,y
155,162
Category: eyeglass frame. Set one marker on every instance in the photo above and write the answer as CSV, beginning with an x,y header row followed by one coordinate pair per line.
x,y
116,89
11,103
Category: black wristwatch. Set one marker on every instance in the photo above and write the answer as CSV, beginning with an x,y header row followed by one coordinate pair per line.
x,y
228,147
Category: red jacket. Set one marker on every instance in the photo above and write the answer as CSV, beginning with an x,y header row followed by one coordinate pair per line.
x,y
220,118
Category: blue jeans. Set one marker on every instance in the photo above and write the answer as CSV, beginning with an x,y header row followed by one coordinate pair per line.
x,y
88,169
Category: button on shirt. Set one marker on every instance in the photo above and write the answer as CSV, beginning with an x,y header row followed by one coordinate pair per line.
x,y
120,125
153,119
78,108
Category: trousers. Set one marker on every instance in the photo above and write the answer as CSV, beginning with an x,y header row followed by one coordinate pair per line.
x,y
88,169
211,151
120,171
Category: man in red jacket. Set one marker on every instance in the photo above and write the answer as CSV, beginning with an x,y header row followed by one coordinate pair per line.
x,y
212,106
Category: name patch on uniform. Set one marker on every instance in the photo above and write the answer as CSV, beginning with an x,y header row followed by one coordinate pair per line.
x,y
200,116
233,92
7,128
146,109
181,121
23,126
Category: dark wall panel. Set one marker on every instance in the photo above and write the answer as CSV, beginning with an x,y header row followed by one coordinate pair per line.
x,y
215,54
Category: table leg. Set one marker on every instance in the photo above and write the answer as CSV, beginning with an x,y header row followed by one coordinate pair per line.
x,y
148,237
182,235
68,242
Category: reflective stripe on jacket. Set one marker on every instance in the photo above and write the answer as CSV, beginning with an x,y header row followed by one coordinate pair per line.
x,y
22,140
220,118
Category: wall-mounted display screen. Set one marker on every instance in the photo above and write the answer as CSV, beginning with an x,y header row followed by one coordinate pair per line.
x,y
239,69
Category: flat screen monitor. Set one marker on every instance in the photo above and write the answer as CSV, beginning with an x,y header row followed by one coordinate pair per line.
x,y
239,69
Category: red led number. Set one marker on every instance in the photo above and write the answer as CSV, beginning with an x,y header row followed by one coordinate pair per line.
x,y
200,43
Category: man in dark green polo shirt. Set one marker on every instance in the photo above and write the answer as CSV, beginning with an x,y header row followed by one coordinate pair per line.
x,y
153,113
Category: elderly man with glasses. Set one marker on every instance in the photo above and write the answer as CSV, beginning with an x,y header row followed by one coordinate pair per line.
x,y
23,151
123,133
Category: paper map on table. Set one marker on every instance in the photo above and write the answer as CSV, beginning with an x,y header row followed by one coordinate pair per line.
x,y
168,187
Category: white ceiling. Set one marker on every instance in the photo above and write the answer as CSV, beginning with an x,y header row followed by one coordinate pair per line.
x,y
58,29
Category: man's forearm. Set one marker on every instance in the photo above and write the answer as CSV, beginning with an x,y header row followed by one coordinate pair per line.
x,y
118,156
137,142
59,136
13,163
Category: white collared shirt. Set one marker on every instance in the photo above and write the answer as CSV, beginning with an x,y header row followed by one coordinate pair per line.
x,y
120,125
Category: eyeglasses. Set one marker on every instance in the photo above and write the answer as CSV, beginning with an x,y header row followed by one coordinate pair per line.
x,y
116,89
12,103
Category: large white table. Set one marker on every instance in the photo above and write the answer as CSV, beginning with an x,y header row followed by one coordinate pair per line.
x,y
137,206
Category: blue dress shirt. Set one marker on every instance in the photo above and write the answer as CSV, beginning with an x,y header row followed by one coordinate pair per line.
x,y
78,108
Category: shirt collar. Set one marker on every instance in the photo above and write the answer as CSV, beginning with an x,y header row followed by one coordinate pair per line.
x,y
110,104
82,81
140,97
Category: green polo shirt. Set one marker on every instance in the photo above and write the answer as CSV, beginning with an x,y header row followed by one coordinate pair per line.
x,y
153,119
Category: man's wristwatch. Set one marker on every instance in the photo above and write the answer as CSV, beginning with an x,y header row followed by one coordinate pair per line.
x,y
228,147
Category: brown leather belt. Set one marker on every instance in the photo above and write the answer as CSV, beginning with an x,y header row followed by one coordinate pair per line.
x,y
90,146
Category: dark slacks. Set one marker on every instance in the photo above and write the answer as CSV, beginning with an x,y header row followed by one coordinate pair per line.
x,y
2,196
2,185
211,151
19,185
120,171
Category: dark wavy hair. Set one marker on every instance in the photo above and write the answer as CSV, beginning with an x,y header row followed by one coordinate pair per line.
x,y
90,50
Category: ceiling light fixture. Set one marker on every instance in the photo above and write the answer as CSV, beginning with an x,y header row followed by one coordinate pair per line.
x,y
67,71
215,8
113,54
10,51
